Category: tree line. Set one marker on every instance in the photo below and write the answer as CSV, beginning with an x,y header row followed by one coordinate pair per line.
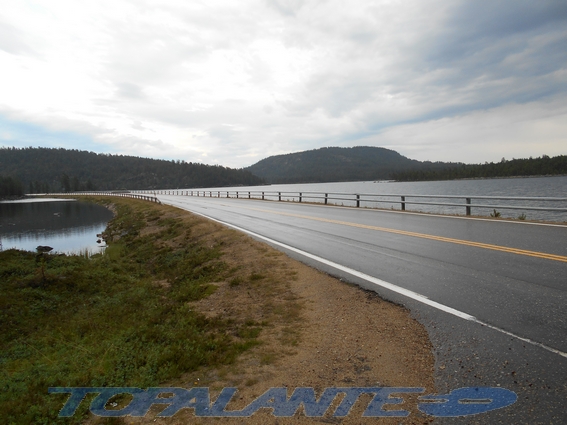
x,y
540,166
44,170
10,187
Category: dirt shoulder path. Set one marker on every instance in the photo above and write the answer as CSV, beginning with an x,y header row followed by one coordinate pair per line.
x,y
315,331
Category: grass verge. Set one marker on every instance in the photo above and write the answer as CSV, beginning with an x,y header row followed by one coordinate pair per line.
x,y
122,318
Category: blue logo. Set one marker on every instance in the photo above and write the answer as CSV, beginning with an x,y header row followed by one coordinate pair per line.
x,y
467,401
460,402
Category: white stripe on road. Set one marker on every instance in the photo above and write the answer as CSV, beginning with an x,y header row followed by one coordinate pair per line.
x,y
382,283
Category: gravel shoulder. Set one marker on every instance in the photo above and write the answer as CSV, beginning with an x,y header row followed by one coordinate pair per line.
x,y
314,331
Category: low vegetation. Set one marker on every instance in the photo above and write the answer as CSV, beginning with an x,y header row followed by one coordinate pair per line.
x,y
122,318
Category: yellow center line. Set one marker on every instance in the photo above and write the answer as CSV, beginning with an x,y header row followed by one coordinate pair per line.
x,y
425,236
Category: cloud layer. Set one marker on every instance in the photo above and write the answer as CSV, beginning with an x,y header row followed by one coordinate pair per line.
x,y
233,82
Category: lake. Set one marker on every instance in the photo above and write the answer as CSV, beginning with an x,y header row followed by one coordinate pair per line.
x,y
555,186
68,226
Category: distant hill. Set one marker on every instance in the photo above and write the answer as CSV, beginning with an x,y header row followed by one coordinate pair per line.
x,y
338,164
43,170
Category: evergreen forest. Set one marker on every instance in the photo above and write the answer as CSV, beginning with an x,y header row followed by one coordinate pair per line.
x,y
334,164
542,166
45,170
10,187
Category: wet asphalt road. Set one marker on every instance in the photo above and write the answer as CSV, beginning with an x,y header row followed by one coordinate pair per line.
x,y
511,276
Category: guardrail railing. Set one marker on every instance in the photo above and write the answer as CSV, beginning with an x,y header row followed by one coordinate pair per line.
x,y
122,194
373,200
366,200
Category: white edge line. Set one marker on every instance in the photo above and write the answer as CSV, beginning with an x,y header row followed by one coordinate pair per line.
x,y
394,288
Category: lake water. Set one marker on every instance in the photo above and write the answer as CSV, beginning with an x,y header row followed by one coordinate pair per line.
x,y
67,226
509,187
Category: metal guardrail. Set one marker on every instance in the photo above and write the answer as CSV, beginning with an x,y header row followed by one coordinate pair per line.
x,y
354,199
358,199
121,194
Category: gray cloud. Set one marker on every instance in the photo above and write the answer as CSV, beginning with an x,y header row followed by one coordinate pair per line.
x,y
129,90
480,55
236,82
512,45
286,7
13,40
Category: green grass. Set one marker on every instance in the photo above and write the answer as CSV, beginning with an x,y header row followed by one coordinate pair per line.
x,y
104,321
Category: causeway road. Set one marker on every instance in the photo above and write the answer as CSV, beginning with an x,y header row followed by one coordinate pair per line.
x,y
492,293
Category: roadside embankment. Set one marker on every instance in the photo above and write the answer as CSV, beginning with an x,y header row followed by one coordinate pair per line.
x,y
180,301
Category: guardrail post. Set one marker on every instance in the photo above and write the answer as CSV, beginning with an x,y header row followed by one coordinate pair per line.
x,y
248,195
468,208
218,194
357,201
236,195
326,196
404,203
262,196
300,196
279,196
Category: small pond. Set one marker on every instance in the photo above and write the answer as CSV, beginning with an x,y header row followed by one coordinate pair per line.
x,y
66,225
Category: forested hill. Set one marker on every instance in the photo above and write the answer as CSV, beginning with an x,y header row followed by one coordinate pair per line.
x,y
516,167
48,170
338,164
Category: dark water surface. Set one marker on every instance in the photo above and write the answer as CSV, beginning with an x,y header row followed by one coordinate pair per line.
x,y
66,225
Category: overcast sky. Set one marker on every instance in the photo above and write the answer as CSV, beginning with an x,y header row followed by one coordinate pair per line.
x,y
231,82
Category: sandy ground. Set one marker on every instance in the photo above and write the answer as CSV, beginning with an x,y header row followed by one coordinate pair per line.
x,y
316,331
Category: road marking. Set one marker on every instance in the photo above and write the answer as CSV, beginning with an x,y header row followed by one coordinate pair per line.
x,y
382,283
536,254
